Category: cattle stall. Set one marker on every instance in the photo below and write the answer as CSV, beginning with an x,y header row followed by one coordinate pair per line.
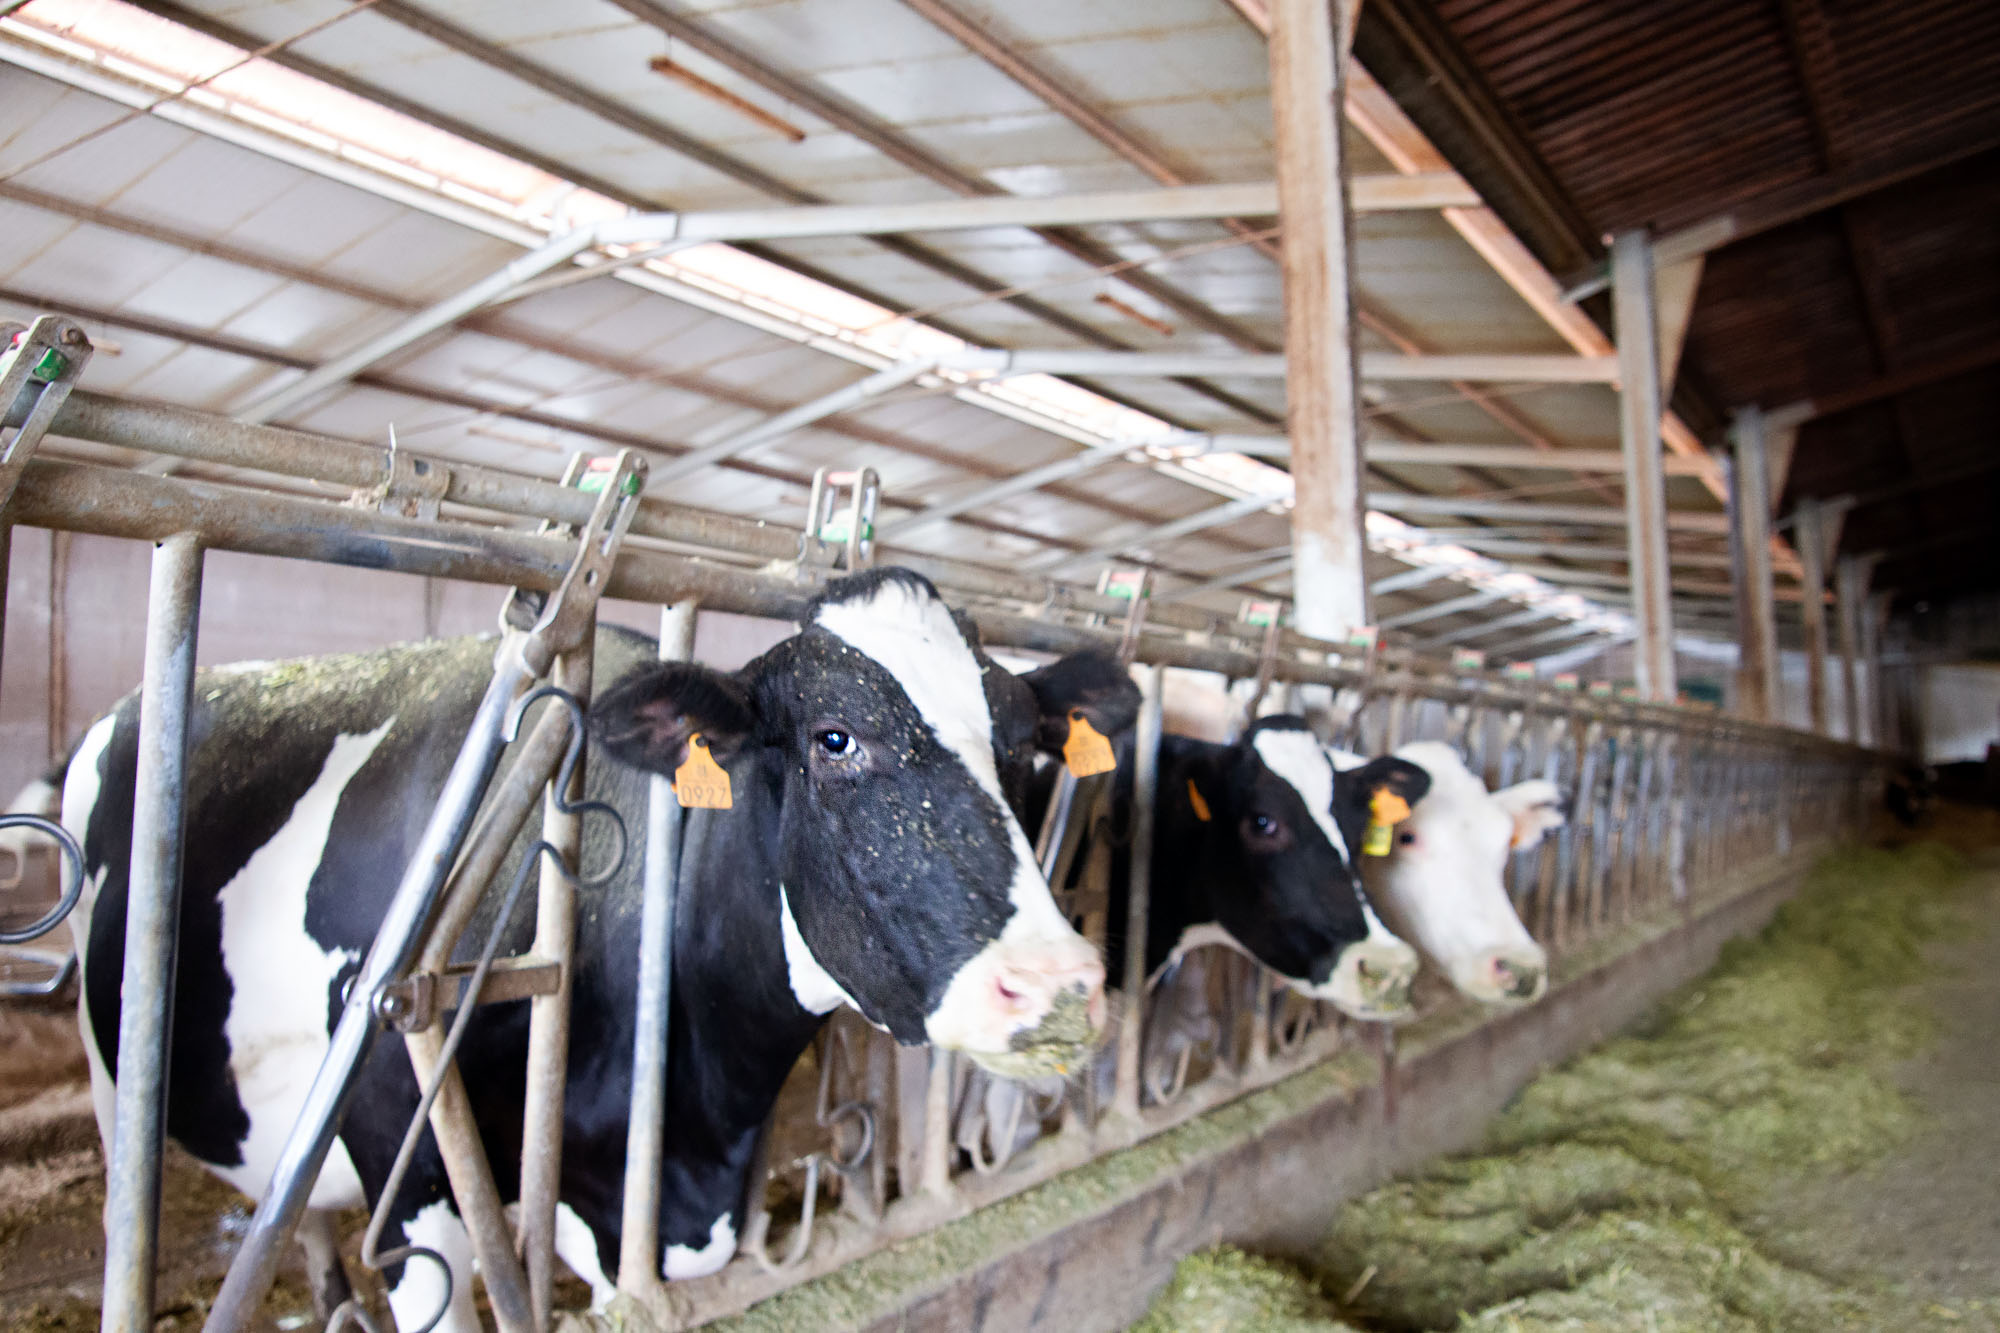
x,y
1669,805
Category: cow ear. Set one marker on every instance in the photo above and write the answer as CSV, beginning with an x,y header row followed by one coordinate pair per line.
x,y
1090,682
645,719
1397,777
1536,808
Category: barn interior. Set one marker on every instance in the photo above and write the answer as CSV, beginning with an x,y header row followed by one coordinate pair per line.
x,y
1597,387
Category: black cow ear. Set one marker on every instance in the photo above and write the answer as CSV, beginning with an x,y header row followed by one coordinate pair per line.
x,y
1090,682
1399,777
645,719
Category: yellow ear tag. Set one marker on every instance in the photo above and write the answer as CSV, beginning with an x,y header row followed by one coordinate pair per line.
x,y
700,783
1385,811
1200,806
1086,751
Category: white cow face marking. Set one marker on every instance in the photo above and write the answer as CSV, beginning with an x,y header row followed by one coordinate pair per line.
x,y
1443,885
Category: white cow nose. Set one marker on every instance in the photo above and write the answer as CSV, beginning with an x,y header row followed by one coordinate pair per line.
x,y
1512,975
1027,988
1372,979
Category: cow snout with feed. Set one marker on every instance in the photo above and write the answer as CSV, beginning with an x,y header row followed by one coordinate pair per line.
x,y
1442,884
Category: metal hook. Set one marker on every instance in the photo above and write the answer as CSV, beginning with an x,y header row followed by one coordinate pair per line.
x,y
565,774
72,855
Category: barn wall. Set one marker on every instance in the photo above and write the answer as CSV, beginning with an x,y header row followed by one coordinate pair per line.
x,y
76,628
1961,711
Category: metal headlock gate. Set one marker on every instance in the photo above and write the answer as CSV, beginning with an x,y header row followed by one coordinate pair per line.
x,y
1664,800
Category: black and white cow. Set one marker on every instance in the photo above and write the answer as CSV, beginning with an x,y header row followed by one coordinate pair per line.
x,y
1256,844
871,858
1442,885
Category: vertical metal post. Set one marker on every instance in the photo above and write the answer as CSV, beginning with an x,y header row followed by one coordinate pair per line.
x,y
548,1015
646,1129
1145,785
1812,610
152,928
1750,491
1645,477
1850,593
1329,582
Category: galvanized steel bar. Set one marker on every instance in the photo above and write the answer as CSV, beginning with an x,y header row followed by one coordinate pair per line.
x,y
645,1130
549,1015
152,933
1145,782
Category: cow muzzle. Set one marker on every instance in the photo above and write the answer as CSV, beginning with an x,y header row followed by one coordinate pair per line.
x,y
1513,975
1372,980
1025,1008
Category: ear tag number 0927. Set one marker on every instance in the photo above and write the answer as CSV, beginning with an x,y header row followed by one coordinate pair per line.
x,y
700,783
1385,810
1086,751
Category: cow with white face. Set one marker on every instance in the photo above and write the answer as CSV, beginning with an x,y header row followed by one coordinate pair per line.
x,y
1442,884
869,858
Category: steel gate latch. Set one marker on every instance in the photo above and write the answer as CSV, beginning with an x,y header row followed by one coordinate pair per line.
x,y
554,623
415,1003
38,368
412,487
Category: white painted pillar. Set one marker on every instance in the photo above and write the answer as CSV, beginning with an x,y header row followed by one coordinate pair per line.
x,y
1756,597
1811,533
1322,390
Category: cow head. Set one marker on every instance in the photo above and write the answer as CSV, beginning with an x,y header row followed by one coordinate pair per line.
x,y
907,888
1443,886
1279,866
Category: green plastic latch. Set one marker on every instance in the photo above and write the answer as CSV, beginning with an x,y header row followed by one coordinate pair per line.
x,y
593,481
836,531
50,367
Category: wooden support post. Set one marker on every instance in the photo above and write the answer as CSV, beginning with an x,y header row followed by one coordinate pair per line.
x,y
1645,478
1850,591
1811,534
1881,717
1322,391
1750,481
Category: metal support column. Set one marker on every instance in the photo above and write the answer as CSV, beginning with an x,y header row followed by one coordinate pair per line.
x,y
1645,478
1811,532
1145,779
646,1129
1323,394
152,930
549,1015
1751,492
1850,591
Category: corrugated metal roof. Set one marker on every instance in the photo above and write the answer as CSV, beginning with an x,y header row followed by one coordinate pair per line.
x,y
218,294
1663,113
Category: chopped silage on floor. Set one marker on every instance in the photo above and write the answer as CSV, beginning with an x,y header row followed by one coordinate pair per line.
x,y
1615,1192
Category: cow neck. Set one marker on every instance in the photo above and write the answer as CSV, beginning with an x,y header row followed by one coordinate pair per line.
x,y
733,1001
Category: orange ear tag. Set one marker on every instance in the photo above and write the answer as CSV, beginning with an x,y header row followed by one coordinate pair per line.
x,y
1385,810
1200,806
700,783
1086,751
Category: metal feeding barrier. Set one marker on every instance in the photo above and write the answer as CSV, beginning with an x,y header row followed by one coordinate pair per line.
x,y
1665,803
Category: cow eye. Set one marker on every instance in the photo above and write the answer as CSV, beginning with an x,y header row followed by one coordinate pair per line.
x,y
1264,824
1405,839
837,744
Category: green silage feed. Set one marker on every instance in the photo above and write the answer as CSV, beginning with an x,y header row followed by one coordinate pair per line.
x,y
1618,1191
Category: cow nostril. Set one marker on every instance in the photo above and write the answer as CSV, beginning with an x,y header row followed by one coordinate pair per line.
x,y
1007,993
